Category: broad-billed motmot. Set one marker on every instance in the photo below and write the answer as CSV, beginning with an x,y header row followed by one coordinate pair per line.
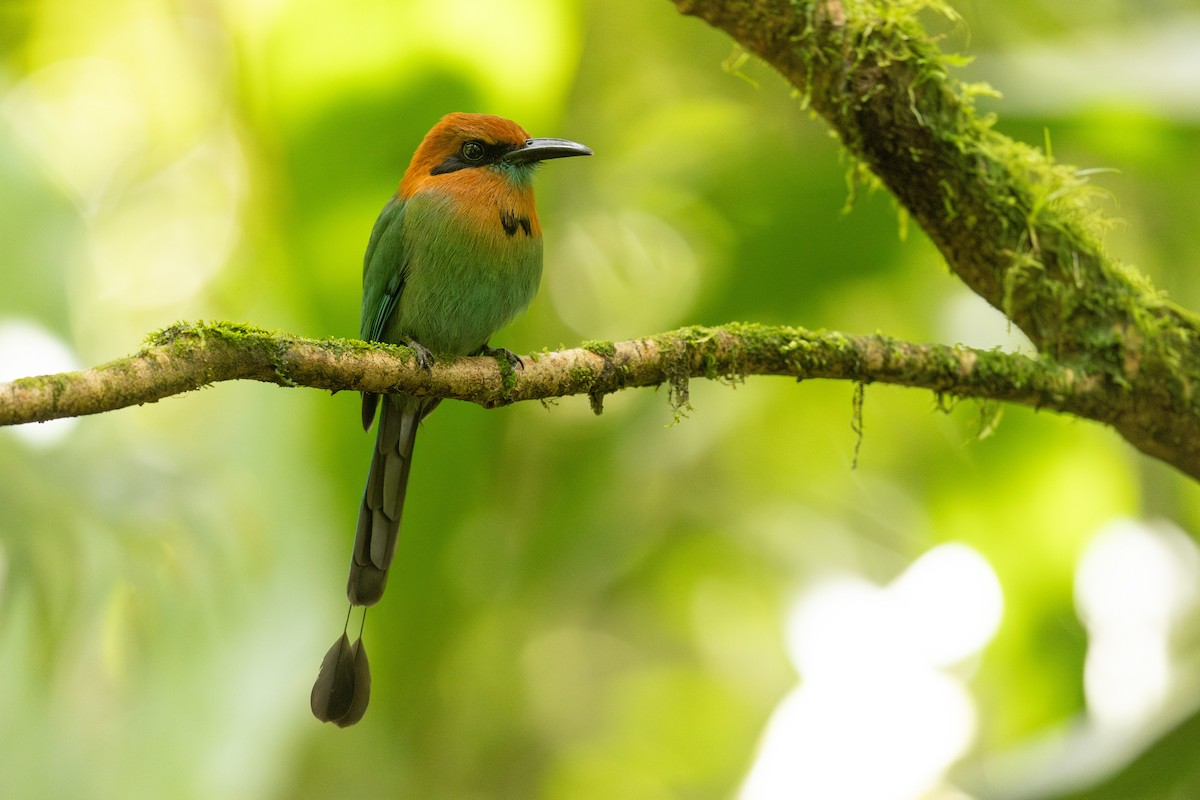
x,y
455,255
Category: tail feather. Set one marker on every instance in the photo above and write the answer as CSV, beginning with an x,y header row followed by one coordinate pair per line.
x,y
383,500
369,403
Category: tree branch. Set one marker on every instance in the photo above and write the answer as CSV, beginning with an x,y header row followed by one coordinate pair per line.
x,y
1013,225
189,356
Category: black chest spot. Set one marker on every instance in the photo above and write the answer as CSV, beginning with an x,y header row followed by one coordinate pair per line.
x,y
512,222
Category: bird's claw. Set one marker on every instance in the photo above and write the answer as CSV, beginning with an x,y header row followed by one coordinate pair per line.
x,y
512,358
423,355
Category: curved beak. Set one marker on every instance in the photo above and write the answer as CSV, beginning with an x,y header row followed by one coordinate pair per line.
x,y
543,149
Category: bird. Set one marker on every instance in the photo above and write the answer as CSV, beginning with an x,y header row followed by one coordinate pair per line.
x,y
455,255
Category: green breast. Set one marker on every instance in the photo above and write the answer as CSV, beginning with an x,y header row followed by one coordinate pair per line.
x,y
468,275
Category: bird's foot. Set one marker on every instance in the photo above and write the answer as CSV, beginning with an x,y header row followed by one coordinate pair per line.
x,y
422,353
512,358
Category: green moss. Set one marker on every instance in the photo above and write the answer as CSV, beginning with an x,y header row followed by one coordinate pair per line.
x,y
999,202
55,383
191,331
600,348
677,348
164,336
581,376
991,413
341,346
508,374
856,419
239,330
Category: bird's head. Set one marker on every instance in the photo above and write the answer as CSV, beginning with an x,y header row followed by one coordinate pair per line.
x,y
481,141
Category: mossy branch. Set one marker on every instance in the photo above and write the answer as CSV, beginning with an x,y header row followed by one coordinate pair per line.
x,y
188,356
1013,225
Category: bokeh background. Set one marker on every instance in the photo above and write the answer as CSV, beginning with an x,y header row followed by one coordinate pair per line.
x,y
993,603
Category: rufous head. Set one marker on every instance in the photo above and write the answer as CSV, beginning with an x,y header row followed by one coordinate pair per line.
x,y
463,141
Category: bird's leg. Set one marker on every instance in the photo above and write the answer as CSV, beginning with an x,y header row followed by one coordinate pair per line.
x,y
422,353
512,358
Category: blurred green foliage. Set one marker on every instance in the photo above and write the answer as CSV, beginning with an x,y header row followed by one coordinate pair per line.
x,y
583,607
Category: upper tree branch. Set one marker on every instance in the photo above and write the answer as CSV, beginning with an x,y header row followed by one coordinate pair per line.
x,y
1012,224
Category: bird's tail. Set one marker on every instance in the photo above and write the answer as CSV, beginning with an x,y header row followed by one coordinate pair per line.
x,y
343,685
383,499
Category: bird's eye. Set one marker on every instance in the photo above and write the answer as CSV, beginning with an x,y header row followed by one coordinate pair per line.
x,y
473,152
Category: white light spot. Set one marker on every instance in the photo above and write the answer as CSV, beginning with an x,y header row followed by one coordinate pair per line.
x,y
1133,583
83,119
27,349
872,686
968,319
950,602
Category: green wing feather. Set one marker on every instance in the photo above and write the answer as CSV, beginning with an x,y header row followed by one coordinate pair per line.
x,y
385,269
